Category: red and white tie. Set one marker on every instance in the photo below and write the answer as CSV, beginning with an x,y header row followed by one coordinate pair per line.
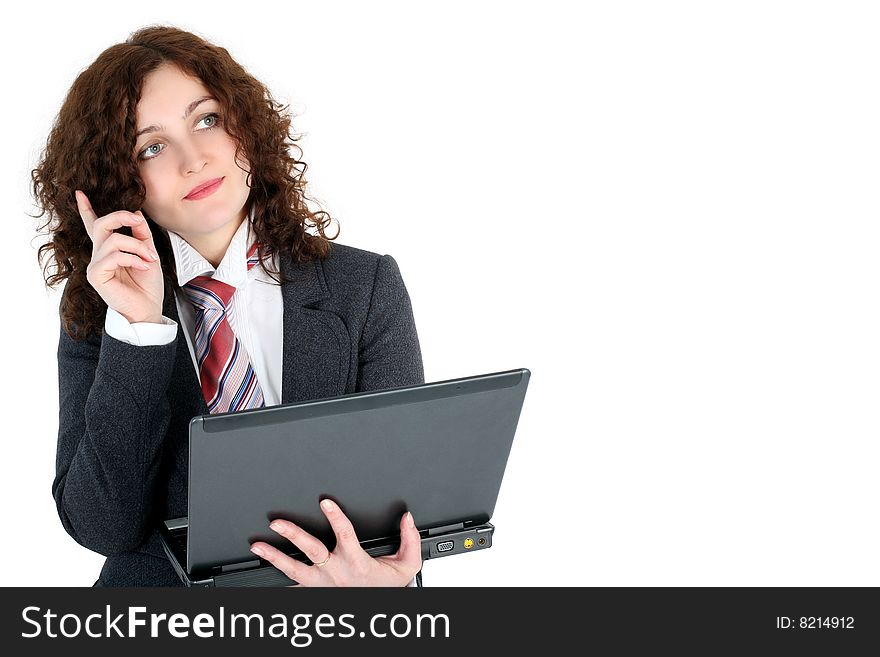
x,y
229,382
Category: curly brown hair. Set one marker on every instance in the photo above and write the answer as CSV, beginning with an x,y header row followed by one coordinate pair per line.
x,y
91,144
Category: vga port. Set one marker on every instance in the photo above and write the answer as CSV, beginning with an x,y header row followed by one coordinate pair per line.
x,y
445,546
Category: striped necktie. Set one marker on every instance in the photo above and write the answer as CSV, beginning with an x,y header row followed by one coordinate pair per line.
x,y
229,382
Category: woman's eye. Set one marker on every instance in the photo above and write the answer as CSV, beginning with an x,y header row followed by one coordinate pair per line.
x,y
151,151
213,118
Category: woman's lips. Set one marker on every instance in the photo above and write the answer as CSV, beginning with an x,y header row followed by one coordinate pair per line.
x,y
205,191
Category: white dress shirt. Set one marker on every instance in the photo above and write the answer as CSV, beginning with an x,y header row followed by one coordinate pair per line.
x,y
255,312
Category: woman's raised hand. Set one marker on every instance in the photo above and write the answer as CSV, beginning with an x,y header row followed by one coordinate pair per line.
x,y
348,564
125,271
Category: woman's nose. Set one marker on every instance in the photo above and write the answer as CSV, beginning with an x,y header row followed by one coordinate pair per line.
x,y
194,159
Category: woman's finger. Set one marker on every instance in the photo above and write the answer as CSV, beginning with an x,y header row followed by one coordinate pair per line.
x,y
100,228
346,538
102,270
142,232
308,544
103,227
85,211
410,552
126,244
295,570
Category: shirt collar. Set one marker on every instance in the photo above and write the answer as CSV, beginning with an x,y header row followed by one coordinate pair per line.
x,y
232,269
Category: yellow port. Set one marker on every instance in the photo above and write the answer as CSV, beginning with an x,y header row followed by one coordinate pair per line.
x,y
468,543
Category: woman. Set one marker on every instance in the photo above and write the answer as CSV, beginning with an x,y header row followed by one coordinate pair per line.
x,y
173,198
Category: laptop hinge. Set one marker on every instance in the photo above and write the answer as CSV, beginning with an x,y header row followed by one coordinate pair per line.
x,y
446,528
232,567
176,523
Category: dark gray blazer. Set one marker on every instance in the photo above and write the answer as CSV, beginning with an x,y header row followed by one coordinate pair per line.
x,y
121,464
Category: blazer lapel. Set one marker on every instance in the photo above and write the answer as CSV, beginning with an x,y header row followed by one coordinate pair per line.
x,y
317,346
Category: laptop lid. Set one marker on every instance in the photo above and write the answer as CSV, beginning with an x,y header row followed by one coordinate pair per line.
x,y
437,449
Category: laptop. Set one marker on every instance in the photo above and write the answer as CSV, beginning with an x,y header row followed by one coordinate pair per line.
x,y
436,449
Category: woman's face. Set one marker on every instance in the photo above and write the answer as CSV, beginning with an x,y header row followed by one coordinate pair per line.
x,y
185,146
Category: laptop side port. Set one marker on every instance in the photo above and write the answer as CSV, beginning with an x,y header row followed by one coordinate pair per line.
x,y
445,546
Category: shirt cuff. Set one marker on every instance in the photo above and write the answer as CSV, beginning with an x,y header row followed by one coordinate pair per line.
x,y
139,334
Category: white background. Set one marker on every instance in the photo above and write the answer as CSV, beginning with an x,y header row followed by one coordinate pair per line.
x,y
668,212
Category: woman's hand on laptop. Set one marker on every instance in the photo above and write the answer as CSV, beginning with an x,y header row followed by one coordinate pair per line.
x,y
348,564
